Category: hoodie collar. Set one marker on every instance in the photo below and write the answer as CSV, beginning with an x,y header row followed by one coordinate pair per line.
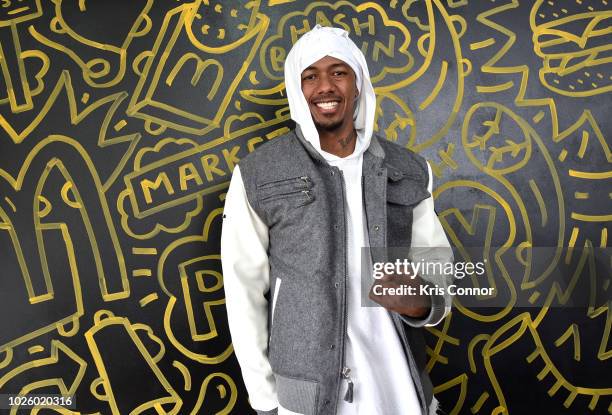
x,y
374,147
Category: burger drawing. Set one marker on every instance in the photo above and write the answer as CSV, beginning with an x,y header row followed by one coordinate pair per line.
x,y
574,40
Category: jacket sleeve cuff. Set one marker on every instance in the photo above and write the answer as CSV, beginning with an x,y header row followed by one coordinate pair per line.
x,y
437,312
270,412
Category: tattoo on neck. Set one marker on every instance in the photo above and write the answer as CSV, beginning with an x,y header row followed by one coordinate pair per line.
x,y
344,142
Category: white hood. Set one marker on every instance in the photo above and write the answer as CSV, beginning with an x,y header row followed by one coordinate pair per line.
x,y
329,41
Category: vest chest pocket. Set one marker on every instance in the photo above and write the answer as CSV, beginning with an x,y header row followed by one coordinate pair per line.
x,y
292,192
403,194
404,190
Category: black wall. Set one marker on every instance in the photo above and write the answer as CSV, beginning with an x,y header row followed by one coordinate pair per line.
x,y
122,121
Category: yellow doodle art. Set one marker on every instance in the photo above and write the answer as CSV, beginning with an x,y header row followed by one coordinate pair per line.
x,y
121,124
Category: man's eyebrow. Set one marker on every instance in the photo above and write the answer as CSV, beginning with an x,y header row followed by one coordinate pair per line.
x,y
342,65
332,66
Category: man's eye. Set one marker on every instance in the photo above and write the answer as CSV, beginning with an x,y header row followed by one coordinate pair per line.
x,y
308,78
339,73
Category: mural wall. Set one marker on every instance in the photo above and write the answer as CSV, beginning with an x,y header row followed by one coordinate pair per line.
x,y
121,123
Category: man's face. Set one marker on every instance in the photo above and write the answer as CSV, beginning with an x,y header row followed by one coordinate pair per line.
x,y
330,90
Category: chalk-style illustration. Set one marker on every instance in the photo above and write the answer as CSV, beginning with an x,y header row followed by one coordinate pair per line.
x,y
121,124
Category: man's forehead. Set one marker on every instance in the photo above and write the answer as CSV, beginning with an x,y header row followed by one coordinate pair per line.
x,y
326,62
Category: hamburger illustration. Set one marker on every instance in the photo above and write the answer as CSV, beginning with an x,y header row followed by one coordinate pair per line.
x,y
574,39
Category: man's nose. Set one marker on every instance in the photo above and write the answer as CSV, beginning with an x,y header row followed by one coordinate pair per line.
x,y
325,85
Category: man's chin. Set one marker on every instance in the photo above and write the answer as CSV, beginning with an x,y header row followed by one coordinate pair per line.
x,y
330,126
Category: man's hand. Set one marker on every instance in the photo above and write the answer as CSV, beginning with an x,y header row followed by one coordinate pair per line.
x,y
412,305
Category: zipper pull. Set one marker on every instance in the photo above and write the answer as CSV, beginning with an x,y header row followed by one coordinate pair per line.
x,y
348,397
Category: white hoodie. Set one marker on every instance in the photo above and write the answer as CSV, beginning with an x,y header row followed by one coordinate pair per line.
x,y
373,351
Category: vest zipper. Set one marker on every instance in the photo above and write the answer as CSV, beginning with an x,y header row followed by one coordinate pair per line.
x,y
349,391
283,182
286,195
344,370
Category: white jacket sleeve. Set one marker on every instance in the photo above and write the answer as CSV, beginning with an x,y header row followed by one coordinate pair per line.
x,y
427,232
244,258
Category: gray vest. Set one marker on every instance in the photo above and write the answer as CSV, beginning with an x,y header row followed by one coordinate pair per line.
x,y
301,199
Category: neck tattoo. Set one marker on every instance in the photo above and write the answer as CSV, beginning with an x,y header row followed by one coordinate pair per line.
x,y
344,142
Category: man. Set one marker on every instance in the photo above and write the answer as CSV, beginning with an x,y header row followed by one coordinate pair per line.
x,y
297,213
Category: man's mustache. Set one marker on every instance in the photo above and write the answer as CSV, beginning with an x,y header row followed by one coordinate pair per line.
x,y
326,98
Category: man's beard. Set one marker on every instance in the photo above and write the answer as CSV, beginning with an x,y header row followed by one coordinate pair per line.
x,y
328,126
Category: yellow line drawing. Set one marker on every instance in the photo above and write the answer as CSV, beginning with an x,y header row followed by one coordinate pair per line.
x,y
152,181
567,54
36,349
481,400
443,337
269,96
144,251
462,382
469,226
510,332
591,218
581,195
588,175
26,331
530,137
201,358
603,353
534,297
538,117
471,347
185,284
185,373
159,70
8,357
443,44
12,58
98,68
518,152
10,203
573,333
73,371
571,243
233,393
489,89
198,267
541,204
436,91
228,64
145,272
271,56
159,392
76,117
68,187
584,122
40,162
482,44
148,299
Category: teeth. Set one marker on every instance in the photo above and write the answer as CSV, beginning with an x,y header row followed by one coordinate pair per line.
x,y
327,105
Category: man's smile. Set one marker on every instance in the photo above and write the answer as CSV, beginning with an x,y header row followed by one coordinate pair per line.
x,y
327,105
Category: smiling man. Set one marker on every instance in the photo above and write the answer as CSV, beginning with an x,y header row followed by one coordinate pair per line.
x,y
297,214
329,86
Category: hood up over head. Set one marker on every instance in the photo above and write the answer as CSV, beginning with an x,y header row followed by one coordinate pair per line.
x,y
329,41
